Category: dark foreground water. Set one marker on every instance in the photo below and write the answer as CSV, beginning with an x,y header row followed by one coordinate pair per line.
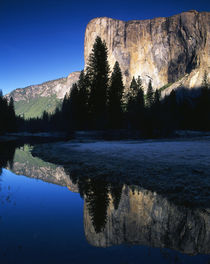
x,y
48,215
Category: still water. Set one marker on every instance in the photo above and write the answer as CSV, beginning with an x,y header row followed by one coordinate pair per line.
x,y
48,215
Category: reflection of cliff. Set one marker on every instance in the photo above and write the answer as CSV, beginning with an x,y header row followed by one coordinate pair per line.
x,y
145,218
25,164
117,214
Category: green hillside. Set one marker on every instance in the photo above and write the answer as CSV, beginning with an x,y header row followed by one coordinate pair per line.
x,y
24,156
35,107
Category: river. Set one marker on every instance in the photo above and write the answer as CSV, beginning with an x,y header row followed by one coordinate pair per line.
x,y
50,216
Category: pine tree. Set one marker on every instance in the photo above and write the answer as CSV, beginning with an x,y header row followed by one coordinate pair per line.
x,y
73,108
45,116
83,101
133,89
139,102
69,110
139,83
11,106
135,105
98,74
149,95
64,113
205,84
157,98
205,94
7,115
11,116
140,94
204,104
115,94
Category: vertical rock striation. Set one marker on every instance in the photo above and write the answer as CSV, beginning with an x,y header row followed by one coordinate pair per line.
x,y
162,49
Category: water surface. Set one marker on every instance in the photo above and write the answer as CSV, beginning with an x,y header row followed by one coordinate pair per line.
x,y
50,216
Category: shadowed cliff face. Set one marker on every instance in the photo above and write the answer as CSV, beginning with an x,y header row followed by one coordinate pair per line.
x,y
145,218
163,49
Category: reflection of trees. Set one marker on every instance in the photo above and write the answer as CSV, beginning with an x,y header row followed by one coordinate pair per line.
x,y
7,149
146,218
116,192
7,152
97,201
97,197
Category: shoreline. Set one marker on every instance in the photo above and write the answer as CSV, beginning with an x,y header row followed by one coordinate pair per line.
x,y
178,169
104,135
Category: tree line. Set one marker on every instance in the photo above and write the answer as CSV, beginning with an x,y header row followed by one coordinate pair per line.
x,y
7,115
99,101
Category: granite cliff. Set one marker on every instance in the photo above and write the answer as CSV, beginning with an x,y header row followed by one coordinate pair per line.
x,y
172,50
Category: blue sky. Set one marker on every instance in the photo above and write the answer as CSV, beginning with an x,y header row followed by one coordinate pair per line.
x,y
43,40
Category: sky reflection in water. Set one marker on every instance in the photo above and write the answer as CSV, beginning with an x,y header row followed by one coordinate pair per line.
x,y
47,223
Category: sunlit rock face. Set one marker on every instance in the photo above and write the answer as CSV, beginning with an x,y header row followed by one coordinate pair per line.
x,y
162,49
145,218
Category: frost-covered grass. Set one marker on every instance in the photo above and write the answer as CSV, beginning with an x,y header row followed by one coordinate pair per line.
x,y
178,169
